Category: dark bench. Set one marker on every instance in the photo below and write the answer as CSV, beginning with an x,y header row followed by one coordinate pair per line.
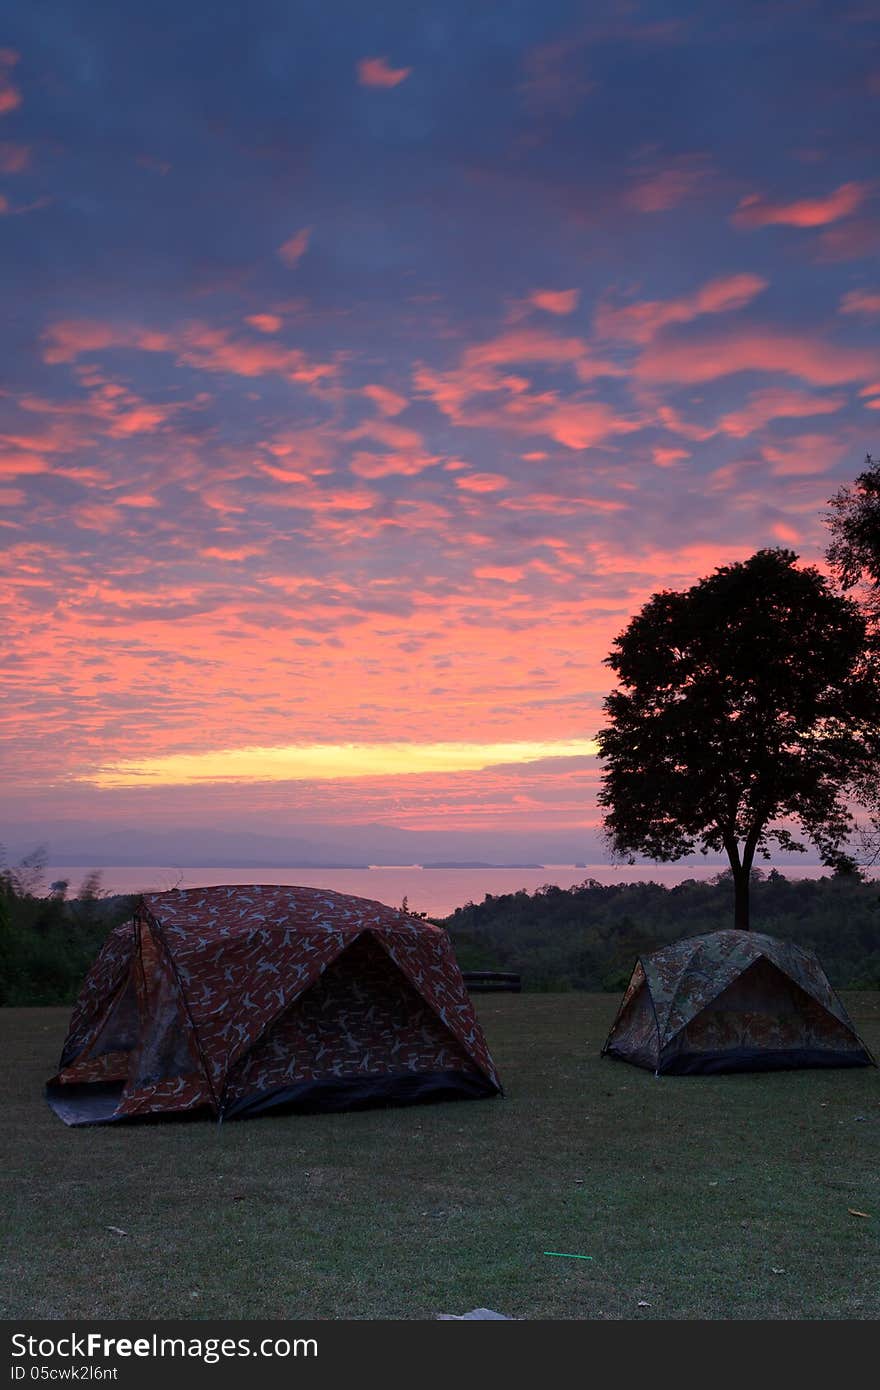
x,y
492,982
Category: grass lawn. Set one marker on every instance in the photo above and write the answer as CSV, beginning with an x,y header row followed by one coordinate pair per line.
x,y
716,1197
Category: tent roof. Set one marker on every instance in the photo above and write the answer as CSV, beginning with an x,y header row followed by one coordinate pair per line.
x,y
686,976
200,917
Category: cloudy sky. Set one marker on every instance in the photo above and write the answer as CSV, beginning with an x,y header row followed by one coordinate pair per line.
x,y
367,366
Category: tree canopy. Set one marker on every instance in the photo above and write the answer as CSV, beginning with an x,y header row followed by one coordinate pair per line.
x,y
854,552
747,704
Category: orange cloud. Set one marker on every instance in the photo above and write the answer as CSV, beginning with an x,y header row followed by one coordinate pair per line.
x,y
555,301
292,251
640,322
376,72
860,302
754,211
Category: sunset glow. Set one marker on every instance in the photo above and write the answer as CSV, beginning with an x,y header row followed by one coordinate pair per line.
x,y
363,377
329,762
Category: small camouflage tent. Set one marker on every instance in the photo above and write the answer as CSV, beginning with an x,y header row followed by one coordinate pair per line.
x,y
239,999
733,1001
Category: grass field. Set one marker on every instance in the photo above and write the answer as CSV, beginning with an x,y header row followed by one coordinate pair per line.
x,y
722,1197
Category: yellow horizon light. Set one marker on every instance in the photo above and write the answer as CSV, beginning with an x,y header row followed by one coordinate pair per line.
x,y
324,762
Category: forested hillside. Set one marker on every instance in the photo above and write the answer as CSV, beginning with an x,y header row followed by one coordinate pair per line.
x,y
580,938
587,937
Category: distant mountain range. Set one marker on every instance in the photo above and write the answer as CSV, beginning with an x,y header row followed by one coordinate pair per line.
x,y
76,844
319,846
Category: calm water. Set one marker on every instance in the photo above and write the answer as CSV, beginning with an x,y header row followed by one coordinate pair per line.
x,y
435,891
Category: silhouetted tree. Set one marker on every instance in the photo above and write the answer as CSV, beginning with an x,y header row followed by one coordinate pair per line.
x,y
745,702
854,552
854,555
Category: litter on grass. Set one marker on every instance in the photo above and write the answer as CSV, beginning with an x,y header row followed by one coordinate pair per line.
x,y
562,1255
474,1313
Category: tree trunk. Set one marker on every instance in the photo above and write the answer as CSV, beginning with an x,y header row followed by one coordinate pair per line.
x,y
741,884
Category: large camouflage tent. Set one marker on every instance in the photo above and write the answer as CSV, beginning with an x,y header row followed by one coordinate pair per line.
x,y
237,999
733,1001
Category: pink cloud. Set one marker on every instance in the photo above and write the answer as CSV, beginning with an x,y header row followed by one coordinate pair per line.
x,y
755,350
387,432
640,322
506,574
555,301
666,458
292,251
856,240
754,211
804,454
787,534
555,81
553,505
481,482
15,462
13,158
156,166
578,425
141,500
196,345
861,302
10,96
234,554
366,465
388,402
377,72
775,404
476,395
265,323
665,189
533,345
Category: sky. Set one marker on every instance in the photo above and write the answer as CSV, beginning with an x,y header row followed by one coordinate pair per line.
x,y
367,367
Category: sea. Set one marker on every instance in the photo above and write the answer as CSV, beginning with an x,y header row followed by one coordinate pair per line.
x,y
437,892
